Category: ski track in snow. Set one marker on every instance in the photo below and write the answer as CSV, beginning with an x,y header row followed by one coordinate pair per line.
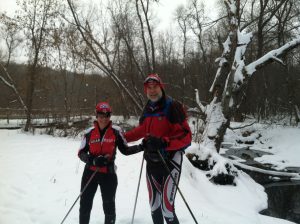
x,y
40,180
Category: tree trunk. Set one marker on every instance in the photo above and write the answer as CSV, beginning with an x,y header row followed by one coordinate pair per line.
x,y
231,78
29,96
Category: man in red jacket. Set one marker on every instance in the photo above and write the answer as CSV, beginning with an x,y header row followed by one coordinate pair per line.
x,y
164,127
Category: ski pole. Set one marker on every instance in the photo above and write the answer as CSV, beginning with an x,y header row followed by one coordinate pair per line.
x,y
169,171
137,191
84,188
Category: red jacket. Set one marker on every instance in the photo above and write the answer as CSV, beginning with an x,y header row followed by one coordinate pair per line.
x,y
165,119
105,142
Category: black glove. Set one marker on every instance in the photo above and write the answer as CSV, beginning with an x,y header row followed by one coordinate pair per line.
x,y
152,144
86,158
100,161
136,148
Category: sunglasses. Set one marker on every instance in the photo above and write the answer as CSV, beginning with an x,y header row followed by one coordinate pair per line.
x,y
103,115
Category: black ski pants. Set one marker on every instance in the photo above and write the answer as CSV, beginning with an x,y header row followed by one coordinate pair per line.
x,y
108,183
162,190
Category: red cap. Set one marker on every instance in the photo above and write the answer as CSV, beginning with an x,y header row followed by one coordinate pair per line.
x,y
153,79
103,107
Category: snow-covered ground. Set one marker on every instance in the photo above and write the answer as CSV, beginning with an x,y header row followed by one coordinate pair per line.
x,y
280,140
40,179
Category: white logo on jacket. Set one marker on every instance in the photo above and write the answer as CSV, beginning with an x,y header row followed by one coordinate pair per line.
x,y
108,140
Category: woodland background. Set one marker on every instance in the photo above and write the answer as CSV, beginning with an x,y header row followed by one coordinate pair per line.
x,y
71,67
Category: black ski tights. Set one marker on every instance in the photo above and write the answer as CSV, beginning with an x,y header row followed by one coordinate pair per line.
x,y
108,185
110,219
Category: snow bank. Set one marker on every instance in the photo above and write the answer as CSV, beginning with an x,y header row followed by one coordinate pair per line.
x,y
40,179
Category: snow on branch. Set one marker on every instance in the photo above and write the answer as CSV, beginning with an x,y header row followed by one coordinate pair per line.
x,y
215,117
297,113
270,172
271,56
202,108
239,59
241,127
222,60
231,6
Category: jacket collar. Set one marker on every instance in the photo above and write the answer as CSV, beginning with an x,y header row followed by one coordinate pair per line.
x,y
97,128
153,107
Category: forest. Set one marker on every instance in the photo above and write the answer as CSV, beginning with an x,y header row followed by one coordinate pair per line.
x,y
78,55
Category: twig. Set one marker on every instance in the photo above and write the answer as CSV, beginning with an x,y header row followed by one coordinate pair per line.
x,y
231,128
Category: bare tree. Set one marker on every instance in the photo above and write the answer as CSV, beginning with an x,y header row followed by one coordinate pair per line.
x,y
130,65
11,34
166,45
182,17
198,21
34,17
273,23
145,9
228,88
59,44
102,54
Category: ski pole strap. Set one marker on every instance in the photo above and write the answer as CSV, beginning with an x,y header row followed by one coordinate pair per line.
x,y
169,171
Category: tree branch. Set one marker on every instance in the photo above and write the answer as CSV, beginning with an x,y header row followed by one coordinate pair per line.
x,y
271,56
11,85
248,125
200,105
89,40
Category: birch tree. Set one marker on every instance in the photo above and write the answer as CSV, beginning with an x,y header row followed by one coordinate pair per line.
x,y
228,88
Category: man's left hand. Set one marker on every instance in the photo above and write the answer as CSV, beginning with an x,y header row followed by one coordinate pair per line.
x,y
152,144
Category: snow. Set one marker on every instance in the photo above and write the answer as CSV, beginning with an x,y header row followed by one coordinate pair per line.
x,y
214,113
297,113
221,60
277,139
243,40
272,55
282,141
226,46
41,180
232,7
200,105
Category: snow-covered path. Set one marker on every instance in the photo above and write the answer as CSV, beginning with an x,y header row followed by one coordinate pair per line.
x,y
40,179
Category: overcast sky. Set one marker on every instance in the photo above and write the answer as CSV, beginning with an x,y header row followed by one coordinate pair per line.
x,y
165,9
165,12
7,5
